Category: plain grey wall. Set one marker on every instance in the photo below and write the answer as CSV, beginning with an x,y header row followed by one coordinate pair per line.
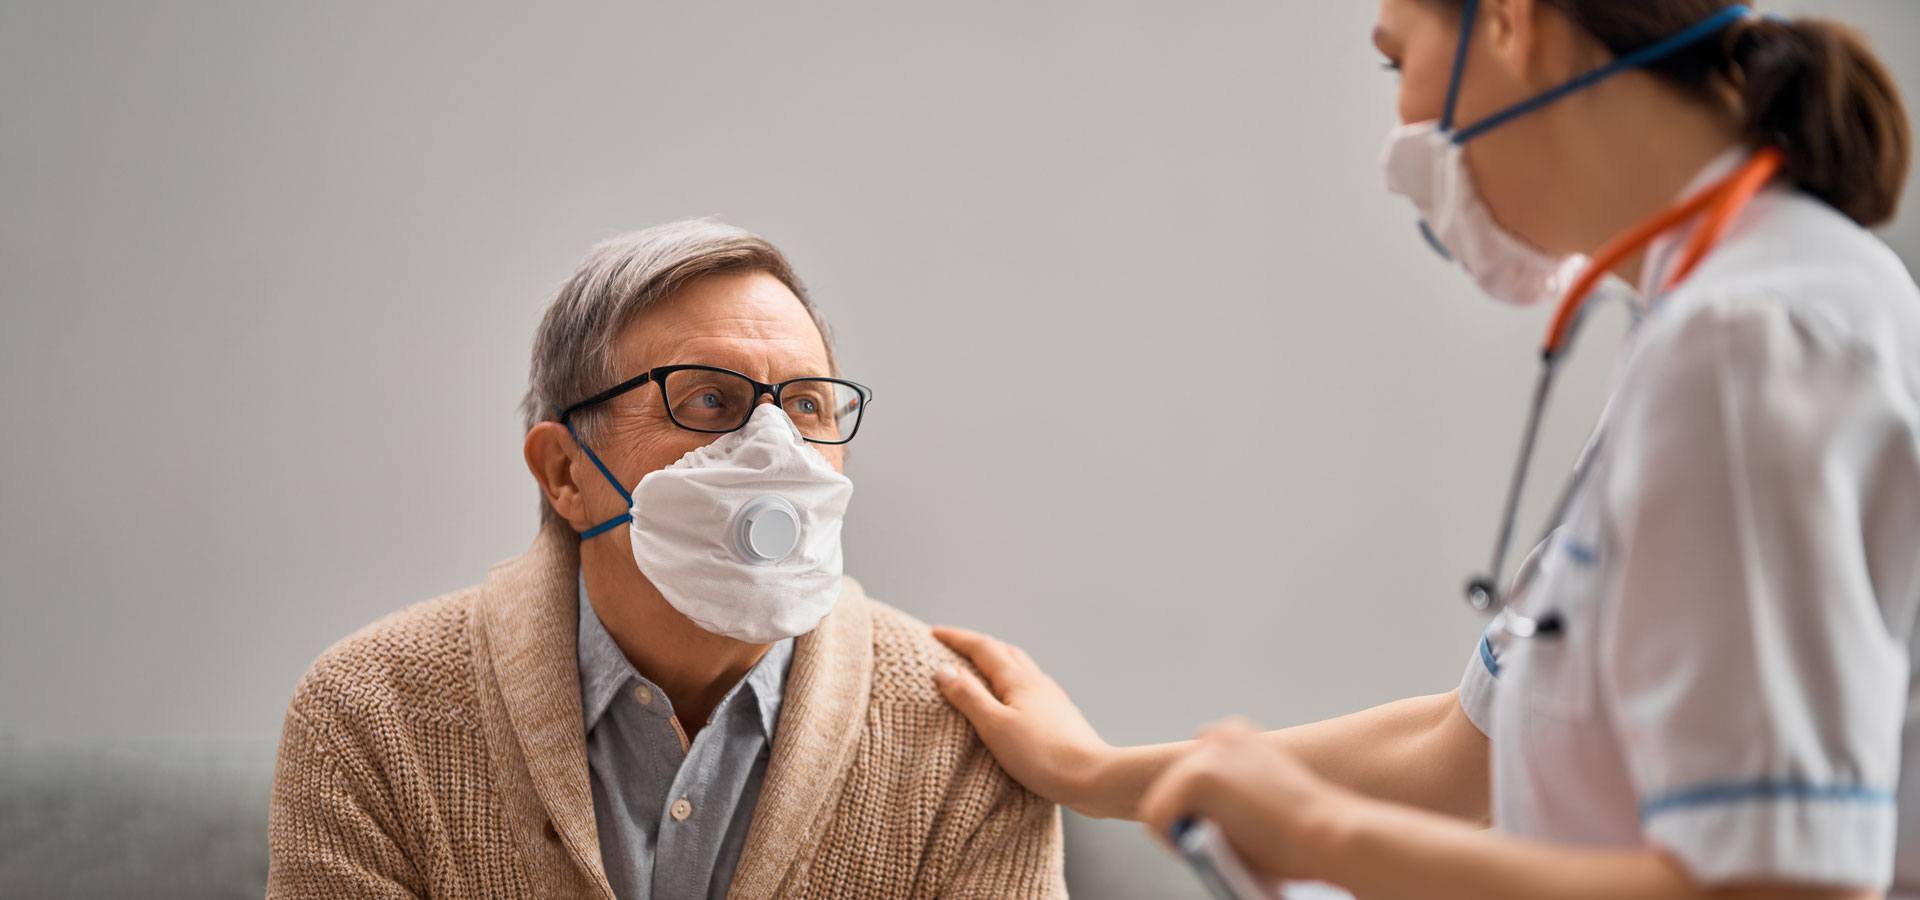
x,y
1168,390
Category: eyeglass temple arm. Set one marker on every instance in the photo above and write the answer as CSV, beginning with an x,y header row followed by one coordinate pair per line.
x,y
602,397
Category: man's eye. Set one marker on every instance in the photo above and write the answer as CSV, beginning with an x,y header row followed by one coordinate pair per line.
x,y
711,400
808,406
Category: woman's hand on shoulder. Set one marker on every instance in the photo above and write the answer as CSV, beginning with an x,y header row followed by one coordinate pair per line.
x,y
1027,720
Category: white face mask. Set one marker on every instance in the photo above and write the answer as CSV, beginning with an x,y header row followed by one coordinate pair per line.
x,y
1426,166
1426,163
743,535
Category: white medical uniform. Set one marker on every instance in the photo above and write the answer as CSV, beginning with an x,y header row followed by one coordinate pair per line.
x,y
1738,575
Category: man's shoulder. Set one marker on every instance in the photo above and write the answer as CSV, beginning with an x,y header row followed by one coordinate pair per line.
x,y
926,788
905,658
413,663
927,730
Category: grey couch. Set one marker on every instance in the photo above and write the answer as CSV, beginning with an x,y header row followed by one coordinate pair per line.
x,y
149,819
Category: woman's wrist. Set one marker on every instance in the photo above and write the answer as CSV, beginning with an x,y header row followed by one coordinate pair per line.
x,y
1089,773
1110,781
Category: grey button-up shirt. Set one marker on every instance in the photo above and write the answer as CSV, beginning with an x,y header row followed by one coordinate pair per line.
x,y
672,816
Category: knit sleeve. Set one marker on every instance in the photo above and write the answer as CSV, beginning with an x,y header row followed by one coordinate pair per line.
x,y
324,834
1016,851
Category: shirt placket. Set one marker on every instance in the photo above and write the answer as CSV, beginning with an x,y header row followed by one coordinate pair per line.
x,y
644,714
690,829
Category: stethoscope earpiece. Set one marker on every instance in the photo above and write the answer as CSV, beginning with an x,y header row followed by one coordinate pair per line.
x,y
1482,591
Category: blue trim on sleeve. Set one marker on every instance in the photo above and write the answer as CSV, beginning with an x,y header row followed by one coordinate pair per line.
x,y
1717,793
1487,658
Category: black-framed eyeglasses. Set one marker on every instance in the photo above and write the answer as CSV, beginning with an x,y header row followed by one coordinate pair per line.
x,y
712,400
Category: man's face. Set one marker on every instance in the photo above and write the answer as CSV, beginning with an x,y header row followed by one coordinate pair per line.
x,y
748,322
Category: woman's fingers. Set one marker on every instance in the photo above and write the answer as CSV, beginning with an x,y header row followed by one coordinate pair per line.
x,y
1256,792
1188,785
1230,728
1001,662
967,694
1173,796
963,640
1030,724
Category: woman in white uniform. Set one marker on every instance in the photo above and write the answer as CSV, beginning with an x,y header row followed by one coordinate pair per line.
x,y
1700,684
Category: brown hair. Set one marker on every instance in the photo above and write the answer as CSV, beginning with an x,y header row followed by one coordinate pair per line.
x,y
1810,87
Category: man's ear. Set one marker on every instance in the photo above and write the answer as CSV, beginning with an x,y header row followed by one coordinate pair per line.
x,y
550,453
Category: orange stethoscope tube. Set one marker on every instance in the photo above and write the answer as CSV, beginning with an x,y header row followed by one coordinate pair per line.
x,y
1723,201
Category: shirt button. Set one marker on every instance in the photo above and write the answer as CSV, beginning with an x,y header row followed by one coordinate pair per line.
x,y
643,694
681,810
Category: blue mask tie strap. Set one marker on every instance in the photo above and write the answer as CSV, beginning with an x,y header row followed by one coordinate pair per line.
x,y
606,526
1469,12
616,521
1645,56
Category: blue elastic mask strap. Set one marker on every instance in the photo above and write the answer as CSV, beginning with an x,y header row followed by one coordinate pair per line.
x,y
1469,11
616,521
1642,57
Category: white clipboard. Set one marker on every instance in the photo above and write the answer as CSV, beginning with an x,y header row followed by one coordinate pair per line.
x,y
1227,877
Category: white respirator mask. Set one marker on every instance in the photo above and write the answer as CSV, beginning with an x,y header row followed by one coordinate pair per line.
x,y
1425,165
1426,162
742,536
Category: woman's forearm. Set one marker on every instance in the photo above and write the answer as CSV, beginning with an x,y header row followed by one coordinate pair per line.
x,y
1378,850
1421,752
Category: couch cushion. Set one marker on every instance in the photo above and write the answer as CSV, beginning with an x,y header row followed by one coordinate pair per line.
x,y
149,818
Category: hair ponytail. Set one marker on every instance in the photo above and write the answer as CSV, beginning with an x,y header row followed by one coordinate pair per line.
x,y
1813,89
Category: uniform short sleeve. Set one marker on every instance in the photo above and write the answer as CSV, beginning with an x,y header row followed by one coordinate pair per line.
x,y
1753,670
1477,686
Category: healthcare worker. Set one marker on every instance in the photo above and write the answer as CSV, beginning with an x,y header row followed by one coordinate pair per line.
x,y
1700,683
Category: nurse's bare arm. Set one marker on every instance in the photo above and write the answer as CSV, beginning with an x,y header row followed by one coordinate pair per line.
x,y
1288,822
1421,752
1390,853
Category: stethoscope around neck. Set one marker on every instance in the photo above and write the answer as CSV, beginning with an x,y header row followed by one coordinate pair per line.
x,y
1720,204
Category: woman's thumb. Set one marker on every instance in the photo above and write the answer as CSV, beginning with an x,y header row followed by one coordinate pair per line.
x,y
966,693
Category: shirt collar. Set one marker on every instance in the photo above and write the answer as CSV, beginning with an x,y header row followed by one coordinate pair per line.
x,y
605,672
768,681
604,669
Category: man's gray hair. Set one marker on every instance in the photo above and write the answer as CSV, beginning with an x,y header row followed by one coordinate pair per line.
x,y
573,352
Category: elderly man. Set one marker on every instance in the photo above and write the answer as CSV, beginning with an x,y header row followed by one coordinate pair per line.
x,y
674,693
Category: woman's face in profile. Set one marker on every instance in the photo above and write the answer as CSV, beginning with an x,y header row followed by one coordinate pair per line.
x,y
1505,65
1418,39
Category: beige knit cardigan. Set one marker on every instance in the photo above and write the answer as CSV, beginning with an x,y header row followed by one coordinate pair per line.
x,y
440,752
